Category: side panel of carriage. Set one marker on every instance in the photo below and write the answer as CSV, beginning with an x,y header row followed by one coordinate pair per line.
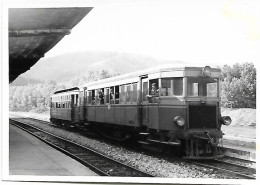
x,y
132,107
61,113
113,114
111,109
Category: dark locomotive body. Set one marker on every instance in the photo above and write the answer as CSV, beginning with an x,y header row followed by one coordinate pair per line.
x,y
176,107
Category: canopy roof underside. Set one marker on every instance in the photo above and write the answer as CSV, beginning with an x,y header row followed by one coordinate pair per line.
x,y
34,31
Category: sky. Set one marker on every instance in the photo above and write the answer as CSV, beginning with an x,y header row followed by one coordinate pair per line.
x,y
200,31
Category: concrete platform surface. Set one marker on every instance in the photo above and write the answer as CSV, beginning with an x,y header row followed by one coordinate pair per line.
x,y
30,156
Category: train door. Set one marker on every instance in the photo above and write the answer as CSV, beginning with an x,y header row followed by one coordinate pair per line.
x,y
150,106
144,100
76,108
72,107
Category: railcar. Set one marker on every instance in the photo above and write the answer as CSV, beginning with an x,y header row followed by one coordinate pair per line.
x,y
171,106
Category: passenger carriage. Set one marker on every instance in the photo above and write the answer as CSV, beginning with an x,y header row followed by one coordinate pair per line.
x,y
63,105
171,106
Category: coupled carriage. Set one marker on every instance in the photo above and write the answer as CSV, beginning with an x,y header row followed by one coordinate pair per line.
x,y
176,107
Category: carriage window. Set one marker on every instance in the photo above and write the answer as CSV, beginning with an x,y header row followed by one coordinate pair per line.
x,y
145,90
112,95
107,95
81,98
97,97
76,100
101,96
172,86
117,94
93,98
134,97
85,97
89,97
128,93
122,94
202,87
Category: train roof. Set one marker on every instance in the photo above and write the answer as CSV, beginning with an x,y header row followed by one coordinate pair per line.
x,y
67,91
134,76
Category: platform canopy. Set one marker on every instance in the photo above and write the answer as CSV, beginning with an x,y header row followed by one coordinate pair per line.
x,y
34,31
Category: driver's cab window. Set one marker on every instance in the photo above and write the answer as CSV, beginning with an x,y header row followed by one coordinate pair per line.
x,y
202,87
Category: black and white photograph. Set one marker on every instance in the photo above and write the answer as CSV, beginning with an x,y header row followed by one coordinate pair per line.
x,y
129,92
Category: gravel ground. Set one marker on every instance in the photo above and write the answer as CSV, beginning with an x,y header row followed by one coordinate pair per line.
x,y
153,165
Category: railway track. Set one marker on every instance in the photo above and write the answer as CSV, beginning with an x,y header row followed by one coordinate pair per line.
x,y
239,162
234,166
41,121
239,168
97,162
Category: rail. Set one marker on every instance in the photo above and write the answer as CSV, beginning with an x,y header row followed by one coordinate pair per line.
x,y
94,160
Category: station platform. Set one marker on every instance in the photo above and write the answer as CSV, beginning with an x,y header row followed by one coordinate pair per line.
x,y
30,156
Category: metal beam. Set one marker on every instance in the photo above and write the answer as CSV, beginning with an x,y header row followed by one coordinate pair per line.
x,y
42,32
35,55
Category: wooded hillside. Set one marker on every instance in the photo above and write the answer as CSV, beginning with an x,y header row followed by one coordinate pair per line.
x,y
238,84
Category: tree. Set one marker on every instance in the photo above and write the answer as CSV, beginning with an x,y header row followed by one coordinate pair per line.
x,y
239,86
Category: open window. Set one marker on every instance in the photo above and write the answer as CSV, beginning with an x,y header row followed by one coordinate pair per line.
x,y
117,94
145,90
112,95
154,87
101,96
93,98
75,98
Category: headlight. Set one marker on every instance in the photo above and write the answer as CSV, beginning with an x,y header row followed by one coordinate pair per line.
x,y
226,120
179,120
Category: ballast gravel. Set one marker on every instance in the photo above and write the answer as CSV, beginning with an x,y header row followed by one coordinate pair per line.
x,y
153,165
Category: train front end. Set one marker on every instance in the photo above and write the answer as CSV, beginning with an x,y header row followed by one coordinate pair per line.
x,y
185,112
202,135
